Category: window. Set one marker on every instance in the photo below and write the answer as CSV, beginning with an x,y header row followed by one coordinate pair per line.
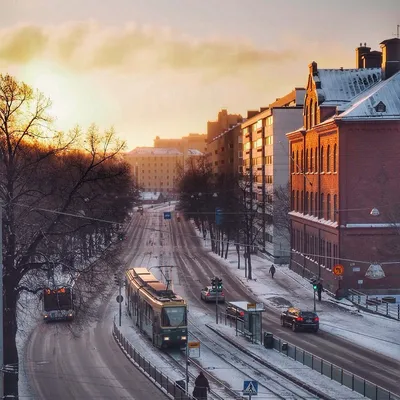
x,y
259,124
311,203
328,159
292,163
270,120
328,207
335,209
322,207
297,161
268,160
311,160
306,205
297,200
321,159
334,158
240,154
316,160
269,140
302,202
259,142
315,113
306,162
306,118
311,113
268,179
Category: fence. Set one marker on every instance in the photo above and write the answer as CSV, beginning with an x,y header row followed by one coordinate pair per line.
x,y
374,304
340,375
170,387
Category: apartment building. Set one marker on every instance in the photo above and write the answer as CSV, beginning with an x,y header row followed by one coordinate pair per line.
x,y
156,169
196,141
265,164
224,144
344,174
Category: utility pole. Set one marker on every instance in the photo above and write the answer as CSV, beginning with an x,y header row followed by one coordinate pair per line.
x,y
120,303
187,355
1,307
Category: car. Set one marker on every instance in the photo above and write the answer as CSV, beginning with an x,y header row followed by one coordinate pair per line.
x,y
209,294
140,209
300,320
232,312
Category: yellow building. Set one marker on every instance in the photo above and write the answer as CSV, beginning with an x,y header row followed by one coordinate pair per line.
x,y
156,169
195,141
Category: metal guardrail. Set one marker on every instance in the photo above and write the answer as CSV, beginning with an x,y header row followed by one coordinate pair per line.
x,y
374,304
332,371
170,387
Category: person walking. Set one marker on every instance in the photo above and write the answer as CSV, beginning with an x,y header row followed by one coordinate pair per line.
x,y
320,289
272,270
201,387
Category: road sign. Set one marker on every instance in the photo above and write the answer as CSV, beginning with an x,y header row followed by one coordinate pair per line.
x,y
119,299
338,269
250,388
194,349
167,215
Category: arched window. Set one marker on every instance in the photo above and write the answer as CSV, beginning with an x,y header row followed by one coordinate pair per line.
x,y
335,208
306,161
311,203
292,163
335,158
306,205
311,160
297,200
306,124
315,113
311,113
328,207
297,161
301,167
316,160
328,159
321,206
302,202
321,159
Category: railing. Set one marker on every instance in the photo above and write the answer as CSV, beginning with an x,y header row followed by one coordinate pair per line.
x,y
374,304
332,371
170,387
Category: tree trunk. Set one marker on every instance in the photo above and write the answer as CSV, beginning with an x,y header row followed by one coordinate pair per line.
x,y
227,247
248,250
10,345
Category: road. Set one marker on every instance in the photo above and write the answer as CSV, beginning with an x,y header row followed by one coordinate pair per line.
x,y
90,366
197,267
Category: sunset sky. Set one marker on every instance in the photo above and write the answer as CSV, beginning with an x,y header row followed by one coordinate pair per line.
x,y
165,67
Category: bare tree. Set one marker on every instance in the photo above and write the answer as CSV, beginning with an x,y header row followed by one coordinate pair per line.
x,y
281,209
47,190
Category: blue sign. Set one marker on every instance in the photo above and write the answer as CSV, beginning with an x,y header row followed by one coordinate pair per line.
x,y
250,388
218,216
167,215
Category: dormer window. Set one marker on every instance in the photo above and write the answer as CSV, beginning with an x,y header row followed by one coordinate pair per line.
x,y
380,107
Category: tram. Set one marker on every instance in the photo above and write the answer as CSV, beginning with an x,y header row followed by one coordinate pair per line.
x,y
158,312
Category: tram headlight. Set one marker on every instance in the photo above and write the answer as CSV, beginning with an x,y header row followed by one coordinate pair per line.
x,y
166,338
183,337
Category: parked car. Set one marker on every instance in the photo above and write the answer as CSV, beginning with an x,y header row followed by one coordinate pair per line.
x,y
232,312
300,320
140,209
209,294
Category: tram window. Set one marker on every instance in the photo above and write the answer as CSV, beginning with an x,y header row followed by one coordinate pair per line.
x,y
173,316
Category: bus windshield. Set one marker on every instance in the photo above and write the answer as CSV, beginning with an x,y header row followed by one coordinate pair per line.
x,y
173,316
58,299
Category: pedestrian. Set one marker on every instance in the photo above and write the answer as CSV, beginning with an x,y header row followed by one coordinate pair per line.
x,y
272,270
201,387
320,289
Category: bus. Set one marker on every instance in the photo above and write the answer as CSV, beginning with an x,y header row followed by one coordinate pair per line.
x,y
157,311
58,304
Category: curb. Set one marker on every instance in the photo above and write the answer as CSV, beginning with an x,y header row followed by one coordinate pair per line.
x,y
272,367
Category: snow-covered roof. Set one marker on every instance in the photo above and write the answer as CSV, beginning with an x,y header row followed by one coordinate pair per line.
x,y
335,86
381,101
157,151
194,152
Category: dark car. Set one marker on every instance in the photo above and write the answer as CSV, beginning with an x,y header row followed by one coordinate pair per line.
x,y
300,320
232,312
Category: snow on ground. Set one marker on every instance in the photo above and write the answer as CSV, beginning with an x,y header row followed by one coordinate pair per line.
x,y
340,318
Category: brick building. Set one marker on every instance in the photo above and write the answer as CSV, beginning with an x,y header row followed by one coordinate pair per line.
x,y
344,165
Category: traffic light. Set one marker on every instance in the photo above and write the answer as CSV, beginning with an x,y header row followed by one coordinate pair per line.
x,y
314,283
213,283
315,287
120,236
116,279
219,283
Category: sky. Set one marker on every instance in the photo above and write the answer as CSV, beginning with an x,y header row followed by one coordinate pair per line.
x,y
165,67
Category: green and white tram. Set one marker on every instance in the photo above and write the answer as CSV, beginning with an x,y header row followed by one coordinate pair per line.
x,y
158,312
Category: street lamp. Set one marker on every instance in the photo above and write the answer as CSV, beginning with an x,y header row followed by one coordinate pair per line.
x,y
375,212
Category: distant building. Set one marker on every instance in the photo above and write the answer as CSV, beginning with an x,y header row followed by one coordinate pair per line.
x,y
345,163
156,169
224,144
265,163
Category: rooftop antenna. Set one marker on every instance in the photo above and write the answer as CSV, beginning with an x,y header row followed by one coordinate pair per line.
x,y
398,32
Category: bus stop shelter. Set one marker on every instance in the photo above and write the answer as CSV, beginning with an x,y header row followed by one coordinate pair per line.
x,y
251,325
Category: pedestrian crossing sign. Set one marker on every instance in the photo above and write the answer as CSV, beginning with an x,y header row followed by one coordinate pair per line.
x,y
250,388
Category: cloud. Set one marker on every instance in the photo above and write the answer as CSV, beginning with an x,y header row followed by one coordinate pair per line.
x,y
89,46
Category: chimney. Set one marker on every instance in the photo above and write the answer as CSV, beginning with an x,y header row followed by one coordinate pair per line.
x,y
390,57
360,51
252,113
313,68
372,59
